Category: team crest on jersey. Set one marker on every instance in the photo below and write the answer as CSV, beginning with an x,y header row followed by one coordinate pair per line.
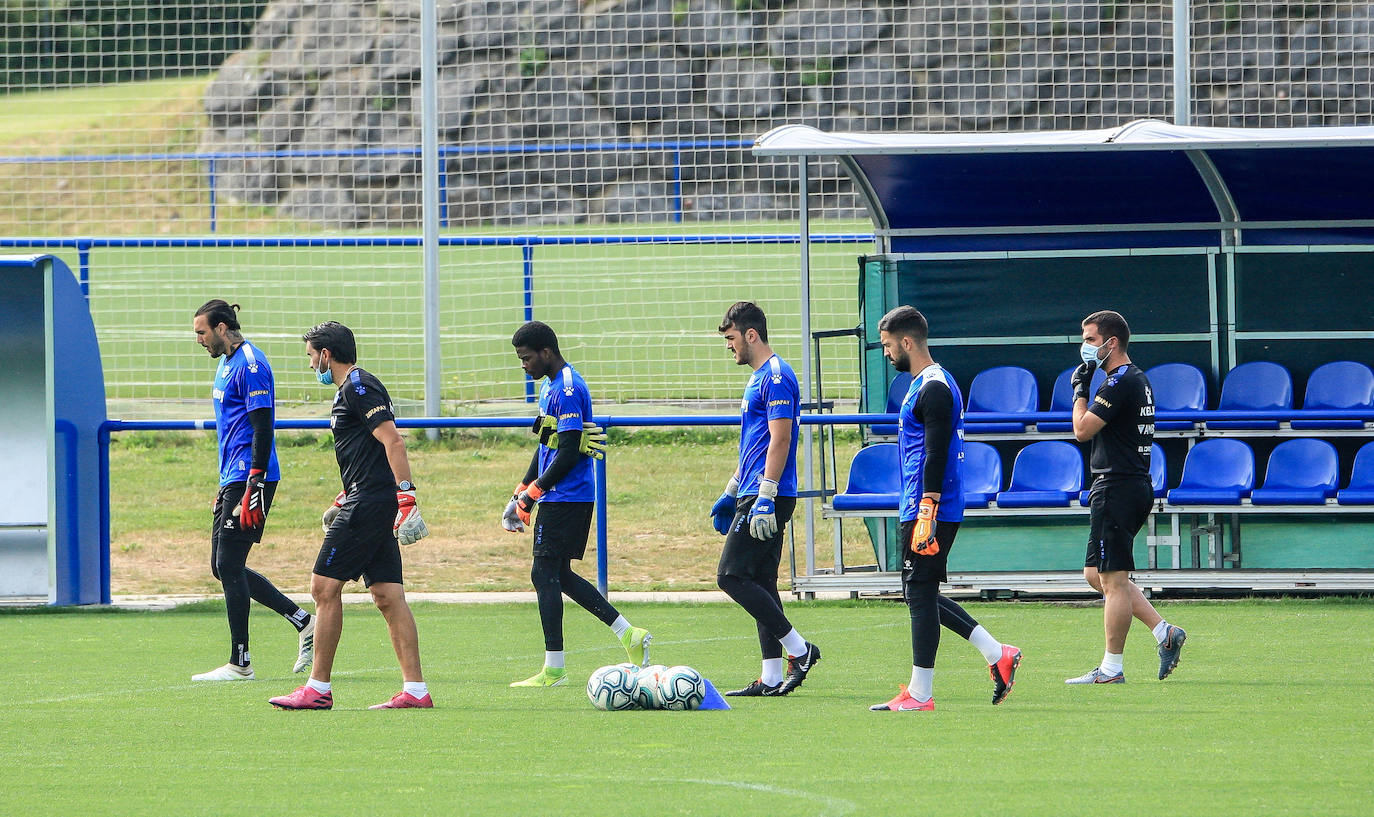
x,y
1111,381
568,390
253,367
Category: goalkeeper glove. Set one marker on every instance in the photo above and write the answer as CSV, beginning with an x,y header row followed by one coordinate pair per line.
x,y
525,499
409,526
510,519
1081,380
923,534
593,441
251,511
723,512
763,517
332,511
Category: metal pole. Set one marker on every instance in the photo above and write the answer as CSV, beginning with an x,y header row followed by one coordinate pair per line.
x,y
601,547
1182,63
429,201
807,436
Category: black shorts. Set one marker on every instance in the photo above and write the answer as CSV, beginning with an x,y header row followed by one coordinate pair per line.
x,y
561,529
225,529
361,541
746,557
1118,511
917,567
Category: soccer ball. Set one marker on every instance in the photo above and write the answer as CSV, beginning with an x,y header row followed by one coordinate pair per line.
x,y
648,694
681,688
613,688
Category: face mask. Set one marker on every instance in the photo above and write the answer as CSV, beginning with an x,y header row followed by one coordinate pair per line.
x,y
1089,353
325,375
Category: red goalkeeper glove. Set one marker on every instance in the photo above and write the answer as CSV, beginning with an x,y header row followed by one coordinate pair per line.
x,y
923,534
251,511
524,501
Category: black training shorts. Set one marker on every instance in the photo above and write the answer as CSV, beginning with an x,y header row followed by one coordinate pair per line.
x,y
917,567
746,557
361,541
561,529
225,529
1118,510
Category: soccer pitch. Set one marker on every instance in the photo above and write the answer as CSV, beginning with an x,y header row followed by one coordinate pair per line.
x,y
1267,714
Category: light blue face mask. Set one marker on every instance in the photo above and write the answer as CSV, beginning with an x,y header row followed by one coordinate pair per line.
x,y
1089,353
326,377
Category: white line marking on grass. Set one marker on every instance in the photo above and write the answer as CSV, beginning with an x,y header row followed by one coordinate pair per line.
x,y
833,806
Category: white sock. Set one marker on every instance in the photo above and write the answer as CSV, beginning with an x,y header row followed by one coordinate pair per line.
x,y
553,658
415,689
772,671
1111,663
794,643
990,647
1161,631
922,685
318,686
620,625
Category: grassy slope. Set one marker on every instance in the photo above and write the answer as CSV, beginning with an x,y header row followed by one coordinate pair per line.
x,y
1264,716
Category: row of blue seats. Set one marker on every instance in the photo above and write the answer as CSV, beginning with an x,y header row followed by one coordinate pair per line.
x,y
1049,473
1257,386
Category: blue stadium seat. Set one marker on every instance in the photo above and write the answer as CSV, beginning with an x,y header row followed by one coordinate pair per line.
x,y
896,393
1258,386
1216,472
1344,384
1061,398
1046,474
1005,390
875,479
1300,472
982,474
1177,387
1158,471
1360,491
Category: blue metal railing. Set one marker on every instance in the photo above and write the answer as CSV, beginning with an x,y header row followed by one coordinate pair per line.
x,y
212,158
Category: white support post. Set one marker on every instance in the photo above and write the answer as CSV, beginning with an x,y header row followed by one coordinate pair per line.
x,y
429,202
1183,95
807,397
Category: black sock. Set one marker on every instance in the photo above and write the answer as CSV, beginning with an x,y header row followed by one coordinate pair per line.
x,y
265,593
585,594
549,592
765,605
238,656
922,602
956,618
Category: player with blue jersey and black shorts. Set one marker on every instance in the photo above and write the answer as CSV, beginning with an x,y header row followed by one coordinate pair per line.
x,y
1120,422
561,482
244,398
930,440
374,513
757,504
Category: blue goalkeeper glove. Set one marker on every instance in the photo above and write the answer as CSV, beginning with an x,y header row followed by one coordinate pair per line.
x,y
763,517
723,512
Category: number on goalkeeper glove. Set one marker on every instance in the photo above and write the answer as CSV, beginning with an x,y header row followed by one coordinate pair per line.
x,y
525,499
252,509
409,526
332,511
510,518
923,541
763,517
723,512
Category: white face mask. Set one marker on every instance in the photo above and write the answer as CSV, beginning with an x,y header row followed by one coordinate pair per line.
x,y
1089,353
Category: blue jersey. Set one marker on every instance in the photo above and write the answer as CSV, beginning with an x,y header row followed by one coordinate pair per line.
x,y
932,399
566,398
772,394
243,383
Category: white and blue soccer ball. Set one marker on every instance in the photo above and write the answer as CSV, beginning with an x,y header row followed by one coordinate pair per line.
x,y
648,695
614,688
680,688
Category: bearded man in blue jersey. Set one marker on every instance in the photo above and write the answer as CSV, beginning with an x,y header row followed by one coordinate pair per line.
x,y
758,501
930,440
244,397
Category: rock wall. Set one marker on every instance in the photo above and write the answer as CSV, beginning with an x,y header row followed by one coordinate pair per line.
x,y
341,75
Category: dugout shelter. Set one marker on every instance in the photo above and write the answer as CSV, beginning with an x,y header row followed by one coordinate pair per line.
x,y
1221,247
52,405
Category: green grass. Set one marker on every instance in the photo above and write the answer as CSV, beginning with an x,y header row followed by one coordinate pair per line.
x,y
1265,715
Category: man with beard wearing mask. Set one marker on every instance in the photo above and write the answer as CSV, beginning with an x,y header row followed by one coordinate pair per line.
x,y
1120,422
930,439
244,398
